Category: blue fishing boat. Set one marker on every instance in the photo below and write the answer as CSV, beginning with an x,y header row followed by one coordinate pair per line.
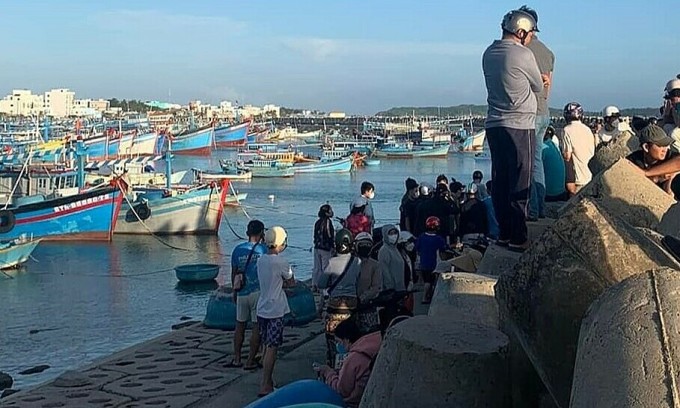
x,y
270,168
409,151
16,252
343,165
196,143
231,135
90,215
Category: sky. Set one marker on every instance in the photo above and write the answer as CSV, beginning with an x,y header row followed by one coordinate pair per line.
x,y
353,56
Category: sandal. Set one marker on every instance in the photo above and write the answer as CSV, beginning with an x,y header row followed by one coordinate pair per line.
x,y
252,367
234,364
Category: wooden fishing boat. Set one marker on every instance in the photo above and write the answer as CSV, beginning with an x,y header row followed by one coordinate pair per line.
x,y
343,165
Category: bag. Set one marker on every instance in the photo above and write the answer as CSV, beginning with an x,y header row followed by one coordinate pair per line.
x,y
342,275
240,277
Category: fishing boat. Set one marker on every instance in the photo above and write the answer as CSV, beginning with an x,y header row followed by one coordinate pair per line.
x,y
474,142
407,150
196,143
267,151
371,162
90,215
193,210
230,171
343,165
136,171
263,168
16,252
231,135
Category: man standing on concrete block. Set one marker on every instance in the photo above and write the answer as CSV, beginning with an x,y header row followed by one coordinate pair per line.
x,y
546,64
512,77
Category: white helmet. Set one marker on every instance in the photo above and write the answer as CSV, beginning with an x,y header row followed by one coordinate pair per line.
x,y
610,110
405,236
672,85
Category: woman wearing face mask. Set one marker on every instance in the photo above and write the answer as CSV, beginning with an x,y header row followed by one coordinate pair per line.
x,y
368,284
406,246
323,243
390,260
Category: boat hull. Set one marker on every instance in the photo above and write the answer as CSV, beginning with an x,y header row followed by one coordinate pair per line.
x,y
435,152
335,166
17,254
198,212
198,143
231,136
87,216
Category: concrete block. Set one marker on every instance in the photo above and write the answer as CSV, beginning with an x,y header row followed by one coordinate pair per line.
x,y
630,344
497,260
606,155
427,362
555,281
465,297
670,222
50,397
624,191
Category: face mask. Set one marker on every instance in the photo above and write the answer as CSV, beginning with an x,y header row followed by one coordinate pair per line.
x,y
410,246
392,239
370,195
364,251
340,348
415,194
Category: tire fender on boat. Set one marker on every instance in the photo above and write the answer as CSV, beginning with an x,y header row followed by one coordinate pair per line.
x,y
7,221
143,211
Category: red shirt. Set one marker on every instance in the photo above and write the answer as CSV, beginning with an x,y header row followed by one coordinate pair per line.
x,y
357,223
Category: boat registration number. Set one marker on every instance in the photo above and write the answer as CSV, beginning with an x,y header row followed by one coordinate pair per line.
x,y
82,203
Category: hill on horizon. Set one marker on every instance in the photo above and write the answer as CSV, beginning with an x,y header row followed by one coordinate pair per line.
x,y
480,110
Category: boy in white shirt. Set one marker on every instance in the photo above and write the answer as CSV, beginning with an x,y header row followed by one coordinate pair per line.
x,y
579,143
274,273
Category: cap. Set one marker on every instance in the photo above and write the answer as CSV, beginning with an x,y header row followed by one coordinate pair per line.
x,y
655,135
405,236
411,184
673,88
275,236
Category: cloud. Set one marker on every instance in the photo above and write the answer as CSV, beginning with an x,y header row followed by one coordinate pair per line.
x,y
323,49
163,23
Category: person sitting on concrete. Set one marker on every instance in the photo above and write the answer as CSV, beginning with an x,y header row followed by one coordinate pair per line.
x,y
429,245
477,177
246,292
407,209
340,281
554,169
357,221
579,144
671,112
654,151
473,218
361,351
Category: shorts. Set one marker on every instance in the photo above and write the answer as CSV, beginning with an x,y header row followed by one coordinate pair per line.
x,y
246,307
271,331
428,276
570,172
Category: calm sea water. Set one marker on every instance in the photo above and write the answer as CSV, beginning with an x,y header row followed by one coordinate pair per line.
x,y
80,301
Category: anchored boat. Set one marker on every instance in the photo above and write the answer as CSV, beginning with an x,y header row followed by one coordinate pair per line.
x,y
408,151
343,165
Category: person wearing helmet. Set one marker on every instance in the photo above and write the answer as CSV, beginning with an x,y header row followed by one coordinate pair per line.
x,y
358,221
579,143
425,195
546,64
671,112
274,273
443,207
407,209
246,290
323,243
512,78
654,151
340,281
610,130
554,169
473,218
429,245
368,284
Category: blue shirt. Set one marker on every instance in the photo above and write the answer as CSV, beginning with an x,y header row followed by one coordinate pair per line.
x,y
427,246
239,256
553,166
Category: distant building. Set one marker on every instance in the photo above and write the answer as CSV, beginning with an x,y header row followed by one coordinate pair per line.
x,y
21,102
272,110
337,115
59,103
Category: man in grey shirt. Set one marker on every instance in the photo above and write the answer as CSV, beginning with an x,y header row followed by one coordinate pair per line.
x,y
546,64
512,78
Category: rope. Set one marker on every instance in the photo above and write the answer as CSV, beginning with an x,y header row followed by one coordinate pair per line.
x,y
23,168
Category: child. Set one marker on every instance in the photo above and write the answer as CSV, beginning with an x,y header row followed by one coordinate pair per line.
x,y
428,246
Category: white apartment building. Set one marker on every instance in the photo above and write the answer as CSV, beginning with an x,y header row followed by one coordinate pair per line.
x,y
21,102
59,102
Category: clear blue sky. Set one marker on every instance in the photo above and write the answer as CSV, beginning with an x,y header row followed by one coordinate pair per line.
x,y
353,56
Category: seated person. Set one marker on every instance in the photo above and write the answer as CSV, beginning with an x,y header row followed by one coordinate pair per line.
x,y
554,169
655,152
350,381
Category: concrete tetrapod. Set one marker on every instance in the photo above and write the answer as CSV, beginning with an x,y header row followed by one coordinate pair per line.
x,y
465,297
610,153
624,191
547,294
629,345
426,361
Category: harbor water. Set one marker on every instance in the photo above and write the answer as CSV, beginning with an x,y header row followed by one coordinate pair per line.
x,y
76,302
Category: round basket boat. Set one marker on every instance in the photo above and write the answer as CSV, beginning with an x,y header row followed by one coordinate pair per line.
x,y
197,272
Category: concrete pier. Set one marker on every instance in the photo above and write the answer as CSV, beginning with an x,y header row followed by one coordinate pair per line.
x,y
556,280
607,155
465,297
426,361
629,345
